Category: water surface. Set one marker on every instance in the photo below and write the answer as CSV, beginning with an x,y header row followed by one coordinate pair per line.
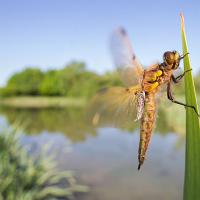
x,y
106,158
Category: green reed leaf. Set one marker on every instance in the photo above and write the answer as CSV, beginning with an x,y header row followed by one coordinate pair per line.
x,y
192,157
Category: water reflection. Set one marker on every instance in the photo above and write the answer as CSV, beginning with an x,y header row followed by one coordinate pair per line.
x,y
67,121
72,123
106,158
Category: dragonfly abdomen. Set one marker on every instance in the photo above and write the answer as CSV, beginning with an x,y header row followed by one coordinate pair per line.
x,y
147,125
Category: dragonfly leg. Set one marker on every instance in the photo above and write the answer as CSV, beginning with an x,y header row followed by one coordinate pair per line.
x,y
178,78
171,98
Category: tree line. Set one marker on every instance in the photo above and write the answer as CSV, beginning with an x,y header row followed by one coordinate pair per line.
x,y
74,80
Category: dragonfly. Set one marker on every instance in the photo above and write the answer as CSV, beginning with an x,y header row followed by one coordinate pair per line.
x,y
137,99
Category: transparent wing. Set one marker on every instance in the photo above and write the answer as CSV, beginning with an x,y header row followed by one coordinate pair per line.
x,y
114,106
125,59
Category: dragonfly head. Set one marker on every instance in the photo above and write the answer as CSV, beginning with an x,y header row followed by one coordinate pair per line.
x,y
171,59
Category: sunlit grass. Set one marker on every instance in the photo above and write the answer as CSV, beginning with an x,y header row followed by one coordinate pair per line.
x,y
192,159
41,102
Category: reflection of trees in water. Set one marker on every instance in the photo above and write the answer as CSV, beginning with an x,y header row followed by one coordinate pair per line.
x,y
72,123
68,121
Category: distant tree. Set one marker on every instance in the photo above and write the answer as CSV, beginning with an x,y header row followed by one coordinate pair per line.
x,y
26,82
60,82
50,85
74,80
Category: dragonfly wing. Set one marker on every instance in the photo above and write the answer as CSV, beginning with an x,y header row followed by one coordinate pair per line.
x,y
114,106
125,59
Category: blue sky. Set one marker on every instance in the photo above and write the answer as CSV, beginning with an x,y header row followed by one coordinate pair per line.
x,y
51,33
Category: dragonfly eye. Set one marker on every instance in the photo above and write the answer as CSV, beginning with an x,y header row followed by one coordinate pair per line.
x,y
176,56
168,57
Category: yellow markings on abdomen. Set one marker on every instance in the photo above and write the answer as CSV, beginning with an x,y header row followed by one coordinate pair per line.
x,y
146,127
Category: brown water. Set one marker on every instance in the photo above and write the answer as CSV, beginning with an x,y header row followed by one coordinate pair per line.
x,y
106,158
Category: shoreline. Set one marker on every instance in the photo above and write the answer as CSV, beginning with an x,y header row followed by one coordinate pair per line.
x,y
41,102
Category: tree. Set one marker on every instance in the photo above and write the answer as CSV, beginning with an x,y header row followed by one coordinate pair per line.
x,y
24,83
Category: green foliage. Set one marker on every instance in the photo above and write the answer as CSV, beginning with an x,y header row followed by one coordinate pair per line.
x,y
192,160
25,82
50,85
23,177
74,80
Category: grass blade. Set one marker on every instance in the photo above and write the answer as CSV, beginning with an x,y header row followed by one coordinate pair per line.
x,y
192,159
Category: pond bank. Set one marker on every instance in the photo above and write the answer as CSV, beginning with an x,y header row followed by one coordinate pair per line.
x,y
41,102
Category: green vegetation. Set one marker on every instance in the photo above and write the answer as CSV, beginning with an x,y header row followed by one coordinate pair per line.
x,y
192,160
25,82
71,81
70,86
74,80
24,177
68,121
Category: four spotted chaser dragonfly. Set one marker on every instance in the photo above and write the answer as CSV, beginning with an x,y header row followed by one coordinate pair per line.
x,y
140,91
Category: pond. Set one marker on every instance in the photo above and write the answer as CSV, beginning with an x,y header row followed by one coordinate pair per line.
x,y
105,158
